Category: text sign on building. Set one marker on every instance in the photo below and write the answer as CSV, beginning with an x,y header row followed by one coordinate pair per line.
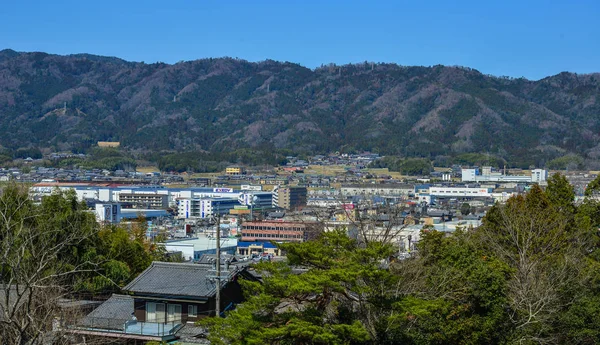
x,y
223,190
250,187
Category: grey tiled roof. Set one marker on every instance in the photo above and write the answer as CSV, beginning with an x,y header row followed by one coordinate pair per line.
x,y
192,334
178,279
111,314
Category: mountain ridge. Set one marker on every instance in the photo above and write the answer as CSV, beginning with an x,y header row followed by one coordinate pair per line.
x,y
220,104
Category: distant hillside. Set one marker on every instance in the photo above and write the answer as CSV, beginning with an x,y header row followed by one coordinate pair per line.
x,y
224,104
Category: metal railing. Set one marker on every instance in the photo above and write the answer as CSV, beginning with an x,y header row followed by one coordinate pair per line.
x,y
158,329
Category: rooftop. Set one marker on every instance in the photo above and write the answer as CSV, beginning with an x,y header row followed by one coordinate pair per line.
x,y
177,279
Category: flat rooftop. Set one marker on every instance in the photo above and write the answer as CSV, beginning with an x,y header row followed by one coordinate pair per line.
x,y
203,243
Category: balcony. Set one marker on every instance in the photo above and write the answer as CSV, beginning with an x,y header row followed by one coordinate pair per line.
x,y
127,329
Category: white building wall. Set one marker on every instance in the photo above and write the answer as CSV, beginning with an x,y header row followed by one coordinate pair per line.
x,y
110,213
460,192
187,250
468,175
539,175
83,194
105,194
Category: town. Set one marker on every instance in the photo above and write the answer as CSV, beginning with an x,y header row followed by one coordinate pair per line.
x,y
216,226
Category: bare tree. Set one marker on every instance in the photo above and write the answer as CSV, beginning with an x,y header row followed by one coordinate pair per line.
x,y
36,267
532,238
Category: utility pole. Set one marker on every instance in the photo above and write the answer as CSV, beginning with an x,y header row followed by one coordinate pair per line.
x,y
218,294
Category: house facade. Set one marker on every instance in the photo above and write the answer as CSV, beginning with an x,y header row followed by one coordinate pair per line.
x,y
163,301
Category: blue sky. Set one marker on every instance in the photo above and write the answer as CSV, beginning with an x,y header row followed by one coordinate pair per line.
x,y
527,38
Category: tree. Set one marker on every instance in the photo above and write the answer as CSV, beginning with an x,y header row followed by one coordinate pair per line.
x,y
561,194
534,239
337,299
53,251
593,186
40,256
337,290
465,209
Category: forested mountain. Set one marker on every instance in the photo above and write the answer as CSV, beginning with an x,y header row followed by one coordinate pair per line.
x,y
70,102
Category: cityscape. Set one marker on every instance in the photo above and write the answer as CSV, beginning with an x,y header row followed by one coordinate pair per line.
x,y
312,173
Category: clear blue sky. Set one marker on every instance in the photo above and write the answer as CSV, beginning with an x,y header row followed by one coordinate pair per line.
x,y
530,38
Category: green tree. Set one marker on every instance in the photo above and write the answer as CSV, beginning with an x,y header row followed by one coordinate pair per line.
x,y
465,209
338,299
561,194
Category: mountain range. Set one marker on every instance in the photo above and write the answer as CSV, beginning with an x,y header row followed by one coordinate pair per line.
x,y
59,103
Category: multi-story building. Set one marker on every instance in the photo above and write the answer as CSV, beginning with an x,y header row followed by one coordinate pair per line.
x,y
274,231
235,170
204,207
146,200
379,189
462,192
256,199
289,198
487,175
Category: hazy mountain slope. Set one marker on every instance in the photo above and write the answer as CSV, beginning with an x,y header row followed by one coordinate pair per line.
x,y
222,104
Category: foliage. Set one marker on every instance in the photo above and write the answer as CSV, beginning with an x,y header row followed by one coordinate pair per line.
x,y
409,166
478,159
41,258
56,249
217,161
572,162
465,209
324,305
528,275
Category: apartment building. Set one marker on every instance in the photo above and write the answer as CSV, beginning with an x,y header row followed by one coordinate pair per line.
x,y
273,231
290,198
145,200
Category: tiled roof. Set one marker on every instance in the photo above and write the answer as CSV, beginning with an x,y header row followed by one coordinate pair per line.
x,y
111,314
192,334
178,279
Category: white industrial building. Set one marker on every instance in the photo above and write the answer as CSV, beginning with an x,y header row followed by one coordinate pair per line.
x,y
378,190
152,196
487,175
461,192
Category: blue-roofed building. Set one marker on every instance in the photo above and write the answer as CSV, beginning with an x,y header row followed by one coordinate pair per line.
x,y
249,248
194,248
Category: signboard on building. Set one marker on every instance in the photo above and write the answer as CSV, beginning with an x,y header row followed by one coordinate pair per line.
x,y
223,190
250,187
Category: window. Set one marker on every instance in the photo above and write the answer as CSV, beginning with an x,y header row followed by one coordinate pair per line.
x,y
174,312
192,310
155,312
